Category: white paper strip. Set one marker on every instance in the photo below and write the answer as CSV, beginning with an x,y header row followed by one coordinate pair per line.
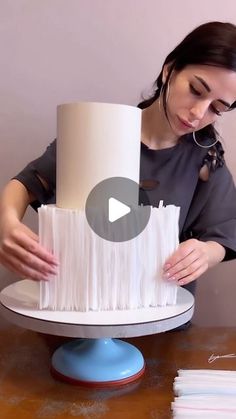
x,y
205,393
96,274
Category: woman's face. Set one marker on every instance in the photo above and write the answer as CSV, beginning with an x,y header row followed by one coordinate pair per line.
x,y
198,96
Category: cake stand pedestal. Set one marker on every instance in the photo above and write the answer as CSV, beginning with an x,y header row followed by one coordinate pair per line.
x,y
99,358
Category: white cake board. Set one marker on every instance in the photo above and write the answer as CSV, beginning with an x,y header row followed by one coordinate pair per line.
x,y
19,304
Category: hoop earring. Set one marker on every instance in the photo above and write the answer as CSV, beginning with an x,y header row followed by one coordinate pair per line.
x,y
203,146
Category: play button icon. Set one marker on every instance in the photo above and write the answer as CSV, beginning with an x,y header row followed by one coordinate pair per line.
x,y
112,209
116,210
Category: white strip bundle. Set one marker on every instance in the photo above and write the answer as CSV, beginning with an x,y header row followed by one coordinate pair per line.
x,y
205,394
96,274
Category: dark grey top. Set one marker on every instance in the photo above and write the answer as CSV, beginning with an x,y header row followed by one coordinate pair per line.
x,y
208,209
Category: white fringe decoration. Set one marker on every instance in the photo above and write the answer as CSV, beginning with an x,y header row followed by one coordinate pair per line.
x,y
96,274
205,393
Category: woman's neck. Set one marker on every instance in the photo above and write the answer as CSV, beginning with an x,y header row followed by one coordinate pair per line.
x,y
156,131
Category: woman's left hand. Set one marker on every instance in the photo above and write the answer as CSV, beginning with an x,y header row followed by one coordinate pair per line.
x,y
191,259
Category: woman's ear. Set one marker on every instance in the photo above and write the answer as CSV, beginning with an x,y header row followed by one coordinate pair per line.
x,y
165,72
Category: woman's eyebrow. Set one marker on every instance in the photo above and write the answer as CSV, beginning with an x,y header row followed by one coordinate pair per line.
x,y
202,81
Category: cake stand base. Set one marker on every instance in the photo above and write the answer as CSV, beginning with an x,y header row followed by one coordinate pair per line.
x,y
94,360
97,362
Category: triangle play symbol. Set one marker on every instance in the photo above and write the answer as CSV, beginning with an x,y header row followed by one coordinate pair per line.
x,y
116,209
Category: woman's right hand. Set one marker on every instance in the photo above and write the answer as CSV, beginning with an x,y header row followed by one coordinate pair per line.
x,y
21,253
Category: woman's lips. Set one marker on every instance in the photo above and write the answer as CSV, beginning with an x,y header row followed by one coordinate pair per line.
x,y
185,123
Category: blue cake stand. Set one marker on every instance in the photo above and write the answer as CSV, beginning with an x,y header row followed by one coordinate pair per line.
x,y
98,358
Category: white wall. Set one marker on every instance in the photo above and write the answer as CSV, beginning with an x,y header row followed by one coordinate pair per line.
x,y
55,51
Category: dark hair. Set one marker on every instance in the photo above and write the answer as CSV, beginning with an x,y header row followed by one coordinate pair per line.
x,y
213,43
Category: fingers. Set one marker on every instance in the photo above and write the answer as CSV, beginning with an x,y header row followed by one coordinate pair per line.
x,y
28,232
23,270
188,262
183,267
21,253
22,257
184,250
31,245
193,276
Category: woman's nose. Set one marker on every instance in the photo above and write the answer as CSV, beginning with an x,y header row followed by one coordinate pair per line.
x,y
198,110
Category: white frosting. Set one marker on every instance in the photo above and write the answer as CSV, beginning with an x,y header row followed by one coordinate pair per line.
x,y
95,141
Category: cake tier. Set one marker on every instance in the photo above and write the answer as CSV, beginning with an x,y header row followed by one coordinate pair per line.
x,y
96,274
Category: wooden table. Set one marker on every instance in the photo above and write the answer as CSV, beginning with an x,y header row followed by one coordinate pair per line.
x,y
27,389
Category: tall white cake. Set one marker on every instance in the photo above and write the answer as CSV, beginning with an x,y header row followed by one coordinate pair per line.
x,y
97,141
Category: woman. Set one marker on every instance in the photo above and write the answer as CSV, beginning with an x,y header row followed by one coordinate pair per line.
x,y
182,163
